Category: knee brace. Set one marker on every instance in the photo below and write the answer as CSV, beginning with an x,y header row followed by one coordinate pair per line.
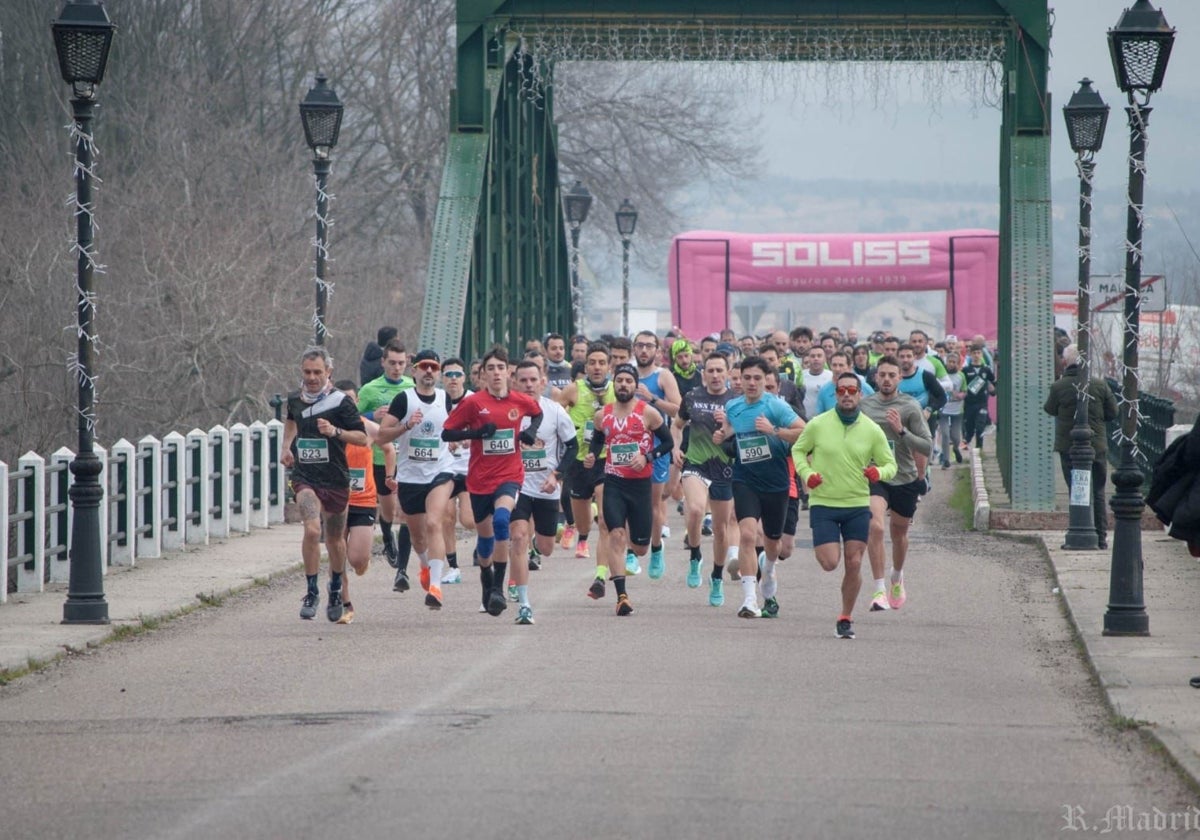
x,y
500,520
484,546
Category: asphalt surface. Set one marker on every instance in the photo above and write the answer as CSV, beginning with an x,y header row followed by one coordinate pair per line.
x,y
970,712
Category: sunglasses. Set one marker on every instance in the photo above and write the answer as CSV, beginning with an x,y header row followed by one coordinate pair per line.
x,y
843,390
453,374
429,366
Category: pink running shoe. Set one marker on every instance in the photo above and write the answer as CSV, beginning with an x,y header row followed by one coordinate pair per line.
x,y
896,596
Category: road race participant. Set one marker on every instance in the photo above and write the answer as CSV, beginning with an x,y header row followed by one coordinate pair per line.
x,y
787,543
839,363
707,474
458,511
894,500
816,374
321,421
540,497
837,456
491,420
373,401
759,428
582,399
626,430
657,387
923,386
950,420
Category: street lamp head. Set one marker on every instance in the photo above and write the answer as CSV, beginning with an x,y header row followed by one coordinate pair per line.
x,y
1086,115
577,202
1140,45
321,113
627,216
82,37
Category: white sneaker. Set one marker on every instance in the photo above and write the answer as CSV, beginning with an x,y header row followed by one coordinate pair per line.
x,y
452,576
750,610
666,532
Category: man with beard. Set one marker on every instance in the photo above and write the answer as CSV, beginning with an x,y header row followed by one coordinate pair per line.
x,y
923,386
321,421
895,499
656,386
582,399
837,457
625,431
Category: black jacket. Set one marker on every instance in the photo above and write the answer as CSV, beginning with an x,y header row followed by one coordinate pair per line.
x,y
371,366
1175,487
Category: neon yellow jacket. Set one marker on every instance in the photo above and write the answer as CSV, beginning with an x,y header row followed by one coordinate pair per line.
x,y
840,453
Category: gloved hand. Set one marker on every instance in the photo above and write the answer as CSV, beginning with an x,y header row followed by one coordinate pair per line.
x,y
872,473
486,430
814,479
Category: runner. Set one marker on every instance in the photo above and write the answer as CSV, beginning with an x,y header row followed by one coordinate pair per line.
x,y
582,399
656,387
760,428
458,511
491,420
625,430
837,456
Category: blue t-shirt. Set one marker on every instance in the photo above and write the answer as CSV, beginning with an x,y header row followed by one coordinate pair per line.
x,y
662,464
761,459
827,399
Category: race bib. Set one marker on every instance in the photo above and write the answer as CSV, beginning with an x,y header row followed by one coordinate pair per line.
x,y
534,459
753,448
976,385
588,429
312,450
622,454
504,442
358,480
423,449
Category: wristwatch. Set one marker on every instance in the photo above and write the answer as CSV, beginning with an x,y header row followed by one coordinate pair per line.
x,y
902,433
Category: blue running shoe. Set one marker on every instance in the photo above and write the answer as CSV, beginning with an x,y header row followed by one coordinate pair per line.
x,y
632,567
716,592
658,565
693,576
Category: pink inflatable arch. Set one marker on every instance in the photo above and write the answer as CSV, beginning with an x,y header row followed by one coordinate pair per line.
x,y
705,266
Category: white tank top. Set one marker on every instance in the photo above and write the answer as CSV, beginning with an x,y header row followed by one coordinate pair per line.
x,y
421,453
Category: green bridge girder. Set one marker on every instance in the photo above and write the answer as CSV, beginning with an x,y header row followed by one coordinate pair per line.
x,y
499,270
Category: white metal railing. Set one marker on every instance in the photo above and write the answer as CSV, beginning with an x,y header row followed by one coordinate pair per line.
x,y
158,496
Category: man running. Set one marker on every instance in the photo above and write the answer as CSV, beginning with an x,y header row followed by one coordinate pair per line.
x,y
656,387
321,421
582,399
491,420
837,456
625,431
458,511
759,428
903,422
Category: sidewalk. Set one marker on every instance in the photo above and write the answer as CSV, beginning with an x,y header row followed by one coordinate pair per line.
x,y
31,628
1144,678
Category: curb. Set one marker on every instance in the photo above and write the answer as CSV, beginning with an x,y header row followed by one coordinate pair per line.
x,y
983,508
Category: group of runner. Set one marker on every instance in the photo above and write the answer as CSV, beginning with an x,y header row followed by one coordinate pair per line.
x,y
545,446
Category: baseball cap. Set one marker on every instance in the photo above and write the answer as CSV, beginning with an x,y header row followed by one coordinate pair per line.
x,y
727,349
427,356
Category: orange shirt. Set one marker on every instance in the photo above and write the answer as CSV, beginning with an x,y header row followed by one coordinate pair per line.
x,y
362,476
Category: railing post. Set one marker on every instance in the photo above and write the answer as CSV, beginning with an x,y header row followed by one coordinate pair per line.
x,y
148,502
60,522
260,472
219,472
275,470
239,478
105,543
173,491
122,498
197,466
31,533
4,529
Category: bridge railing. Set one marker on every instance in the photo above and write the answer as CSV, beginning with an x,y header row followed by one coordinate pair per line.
x,y
159,495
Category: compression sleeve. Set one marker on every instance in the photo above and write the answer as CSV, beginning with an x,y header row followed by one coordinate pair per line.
x,y
597,444
665,442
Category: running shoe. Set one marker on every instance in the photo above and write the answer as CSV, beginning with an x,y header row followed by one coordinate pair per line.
x,y
732,566
804,503
525,615
706,527
581,551
845,628
535,564
716,592
347,613
879,601
496,602
770,608
568,537
623,605
424,577
666,532
433,598
596,590
452,576
897,596
679,508
693,576
393,557
749,610
632,566
512,592
595,513
333,610
400,584
308,607
658,565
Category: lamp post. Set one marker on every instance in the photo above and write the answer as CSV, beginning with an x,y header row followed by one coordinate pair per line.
x,y
82,38
576,204
1086,116
626,222
1140,45
321,113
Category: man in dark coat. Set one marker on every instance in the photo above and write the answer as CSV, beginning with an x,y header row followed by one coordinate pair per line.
x,y
371,365
1175,489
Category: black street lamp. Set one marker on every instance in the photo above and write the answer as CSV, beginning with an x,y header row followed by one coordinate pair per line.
x,y
1140,45
626,221
82,37
576,204
321,113
1086,116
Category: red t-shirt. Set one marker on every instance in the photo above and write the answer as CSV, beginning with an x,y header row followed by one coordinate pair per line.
x,y
625,439
496,460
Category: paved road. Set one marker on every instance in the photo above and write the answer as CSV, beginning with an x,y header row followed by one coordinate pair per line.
x,y
966,714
